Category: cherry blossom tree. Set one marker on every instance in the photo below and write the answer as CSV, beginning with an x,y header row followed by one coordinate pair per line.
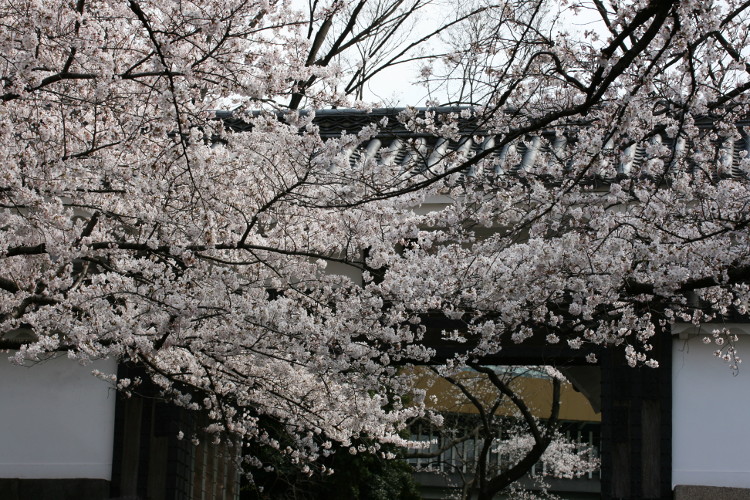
x,y
508,439
264,275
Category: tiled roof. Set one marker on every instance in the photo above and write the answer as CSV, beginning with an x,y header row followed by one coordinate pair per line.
x,y
409,148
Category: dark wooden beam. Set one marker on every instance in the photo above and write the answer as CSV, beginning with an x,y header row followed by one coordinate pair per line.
x,y
637,425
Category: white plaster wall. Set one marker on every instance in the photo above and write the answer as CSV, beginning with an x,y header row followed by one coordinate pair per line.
x,y
56,420
710,416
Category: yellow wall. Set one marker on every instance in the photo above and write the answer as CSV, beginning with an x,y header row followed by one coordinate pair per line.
x,y
536,393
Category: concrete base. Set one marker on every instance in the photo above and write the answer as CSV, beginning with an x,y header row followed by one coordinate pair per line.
x,y
54,489
683,492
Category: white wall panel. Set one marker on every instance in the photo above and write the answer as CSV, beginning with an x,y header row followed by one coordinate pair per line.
x,y
710,416
56,420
